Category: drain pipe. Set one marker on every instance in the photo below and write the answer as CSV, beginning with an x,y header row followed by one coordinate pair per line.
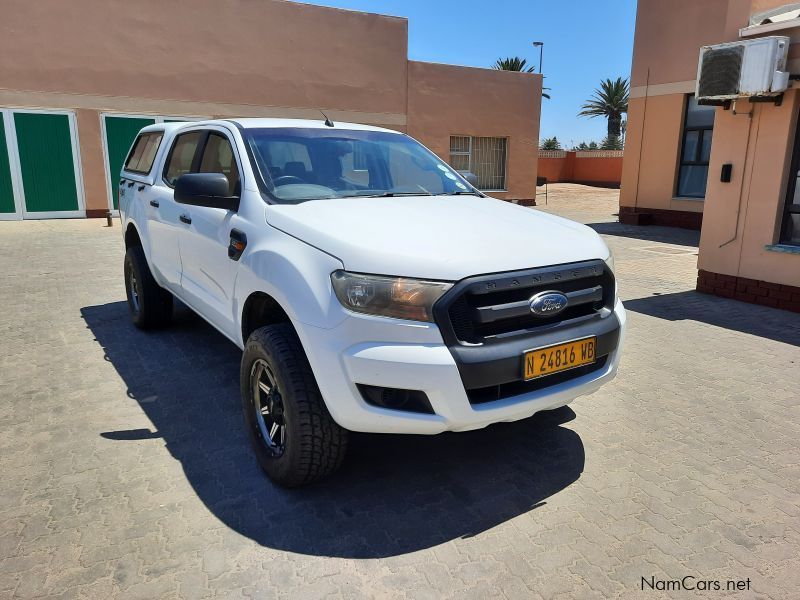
x,y
641,139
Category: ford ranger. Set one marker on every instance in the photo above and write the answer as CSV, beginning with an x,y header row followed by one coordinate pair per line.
x,y
370,286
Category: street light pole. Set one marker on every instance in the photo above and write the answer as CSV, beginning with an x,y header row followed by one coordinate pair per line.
x,y
541,51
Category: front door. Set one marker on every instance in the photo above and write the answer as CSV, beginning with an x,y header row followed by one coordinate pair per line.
x,y
208,274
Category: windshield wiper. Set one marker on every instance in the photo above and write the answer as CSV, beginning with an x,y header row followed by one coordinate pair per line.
x,y
393,194
459,193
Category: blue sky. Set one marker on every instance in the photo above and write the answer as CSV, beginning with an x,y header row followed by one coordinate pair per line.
x,y
584,41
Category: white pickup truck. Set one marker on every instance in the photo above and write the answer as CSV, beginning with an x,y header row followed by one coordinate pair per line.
x,y
371,287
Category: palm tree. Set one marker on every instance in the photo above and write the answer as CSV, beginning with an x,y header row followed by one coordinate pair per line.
x,y
512,63
611,142
610,100
550,144
515,63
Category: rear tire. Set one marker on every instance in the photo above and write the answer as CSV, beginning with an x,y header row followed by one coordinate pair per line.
x,y
295,439
150,304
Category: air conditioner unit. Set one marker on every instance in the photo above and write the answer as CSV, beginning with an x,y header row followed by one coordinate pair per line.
x,y
733,70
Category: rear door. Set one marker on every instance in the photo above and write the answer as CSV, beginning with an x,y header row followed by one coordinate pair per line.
x,y
164,215
208,273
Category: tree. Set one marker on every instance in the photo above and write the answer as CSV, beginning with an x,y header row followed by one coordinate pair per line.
x,y
515,63
550,144
610,100
512,63
592,146
611,142
582,146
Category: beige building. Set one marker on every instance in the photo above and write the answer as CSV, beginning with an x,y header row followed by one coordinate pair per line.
x,y
79,78
675,149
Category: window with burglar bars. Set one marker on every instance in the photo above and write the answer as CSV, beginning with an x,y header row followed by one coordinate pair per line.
x,y
483,156
698,127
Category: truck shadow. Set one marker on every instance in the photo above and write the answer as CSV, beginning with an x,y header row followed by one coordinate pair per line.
x,y
394,494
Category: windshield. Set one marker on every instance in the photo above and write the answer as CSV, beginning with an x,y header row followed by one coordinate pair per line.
x,y
311,164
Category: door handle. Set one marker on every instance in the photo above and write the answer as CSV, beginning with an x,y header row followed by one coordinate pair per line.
x,y
140,188
154,203
186,219
130,184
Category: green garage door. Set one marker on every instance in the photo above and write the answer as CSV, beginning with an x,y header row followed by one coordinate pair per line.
x,y
44,142
6,191
120,132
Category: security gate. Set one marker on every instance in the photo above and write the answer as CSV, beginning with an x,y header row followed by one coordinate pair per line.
x,y
8,205
40,173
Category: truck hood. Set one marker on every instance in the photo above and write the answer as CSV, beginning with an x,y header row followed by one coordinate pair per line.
x,y
436,237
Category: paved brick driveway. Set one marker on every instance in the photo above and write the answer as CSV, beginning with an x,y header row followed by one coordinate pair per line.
x,y
125,471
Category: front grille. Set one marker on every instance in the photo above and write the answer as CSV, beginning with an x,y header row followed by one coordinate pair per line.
x,y
486,309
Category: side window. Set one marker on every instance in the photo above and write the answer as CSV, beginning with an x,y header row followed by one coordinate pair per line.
x,y
149,154
143,153
181,156
218,158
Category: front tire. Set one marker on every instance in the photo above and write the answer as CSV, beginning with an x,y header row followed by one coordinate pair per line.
x,y
150,305
295,439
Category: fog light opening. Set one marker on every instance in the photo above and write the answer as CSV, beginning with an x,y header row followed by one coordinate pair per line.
x,y
396,398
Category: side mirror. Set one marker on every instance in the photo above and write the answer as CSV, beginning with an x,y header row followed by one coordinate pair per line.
x,y
205,189
471,178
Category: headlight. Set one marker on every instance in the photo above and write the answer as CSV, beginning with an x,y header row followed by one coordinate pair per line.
x,y
396,297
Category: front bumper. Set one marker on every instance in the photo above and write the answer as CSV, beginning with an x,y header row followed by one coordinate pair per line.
x,y
416,357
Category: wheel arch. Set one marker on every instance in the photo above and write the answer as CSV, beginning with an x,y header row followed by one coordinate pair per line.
x,y
261,309
132,237
282,279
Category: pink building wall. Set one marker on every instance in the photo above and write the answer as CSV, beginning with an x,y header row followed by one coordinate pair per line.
x,y
253,58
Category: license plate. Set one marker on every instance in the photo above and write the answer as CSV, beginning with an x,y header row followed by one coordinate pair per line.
x,y
561,357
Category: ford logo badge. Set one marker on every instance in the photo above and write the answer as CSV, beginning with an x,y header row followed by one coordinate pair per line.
x,y
547,304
